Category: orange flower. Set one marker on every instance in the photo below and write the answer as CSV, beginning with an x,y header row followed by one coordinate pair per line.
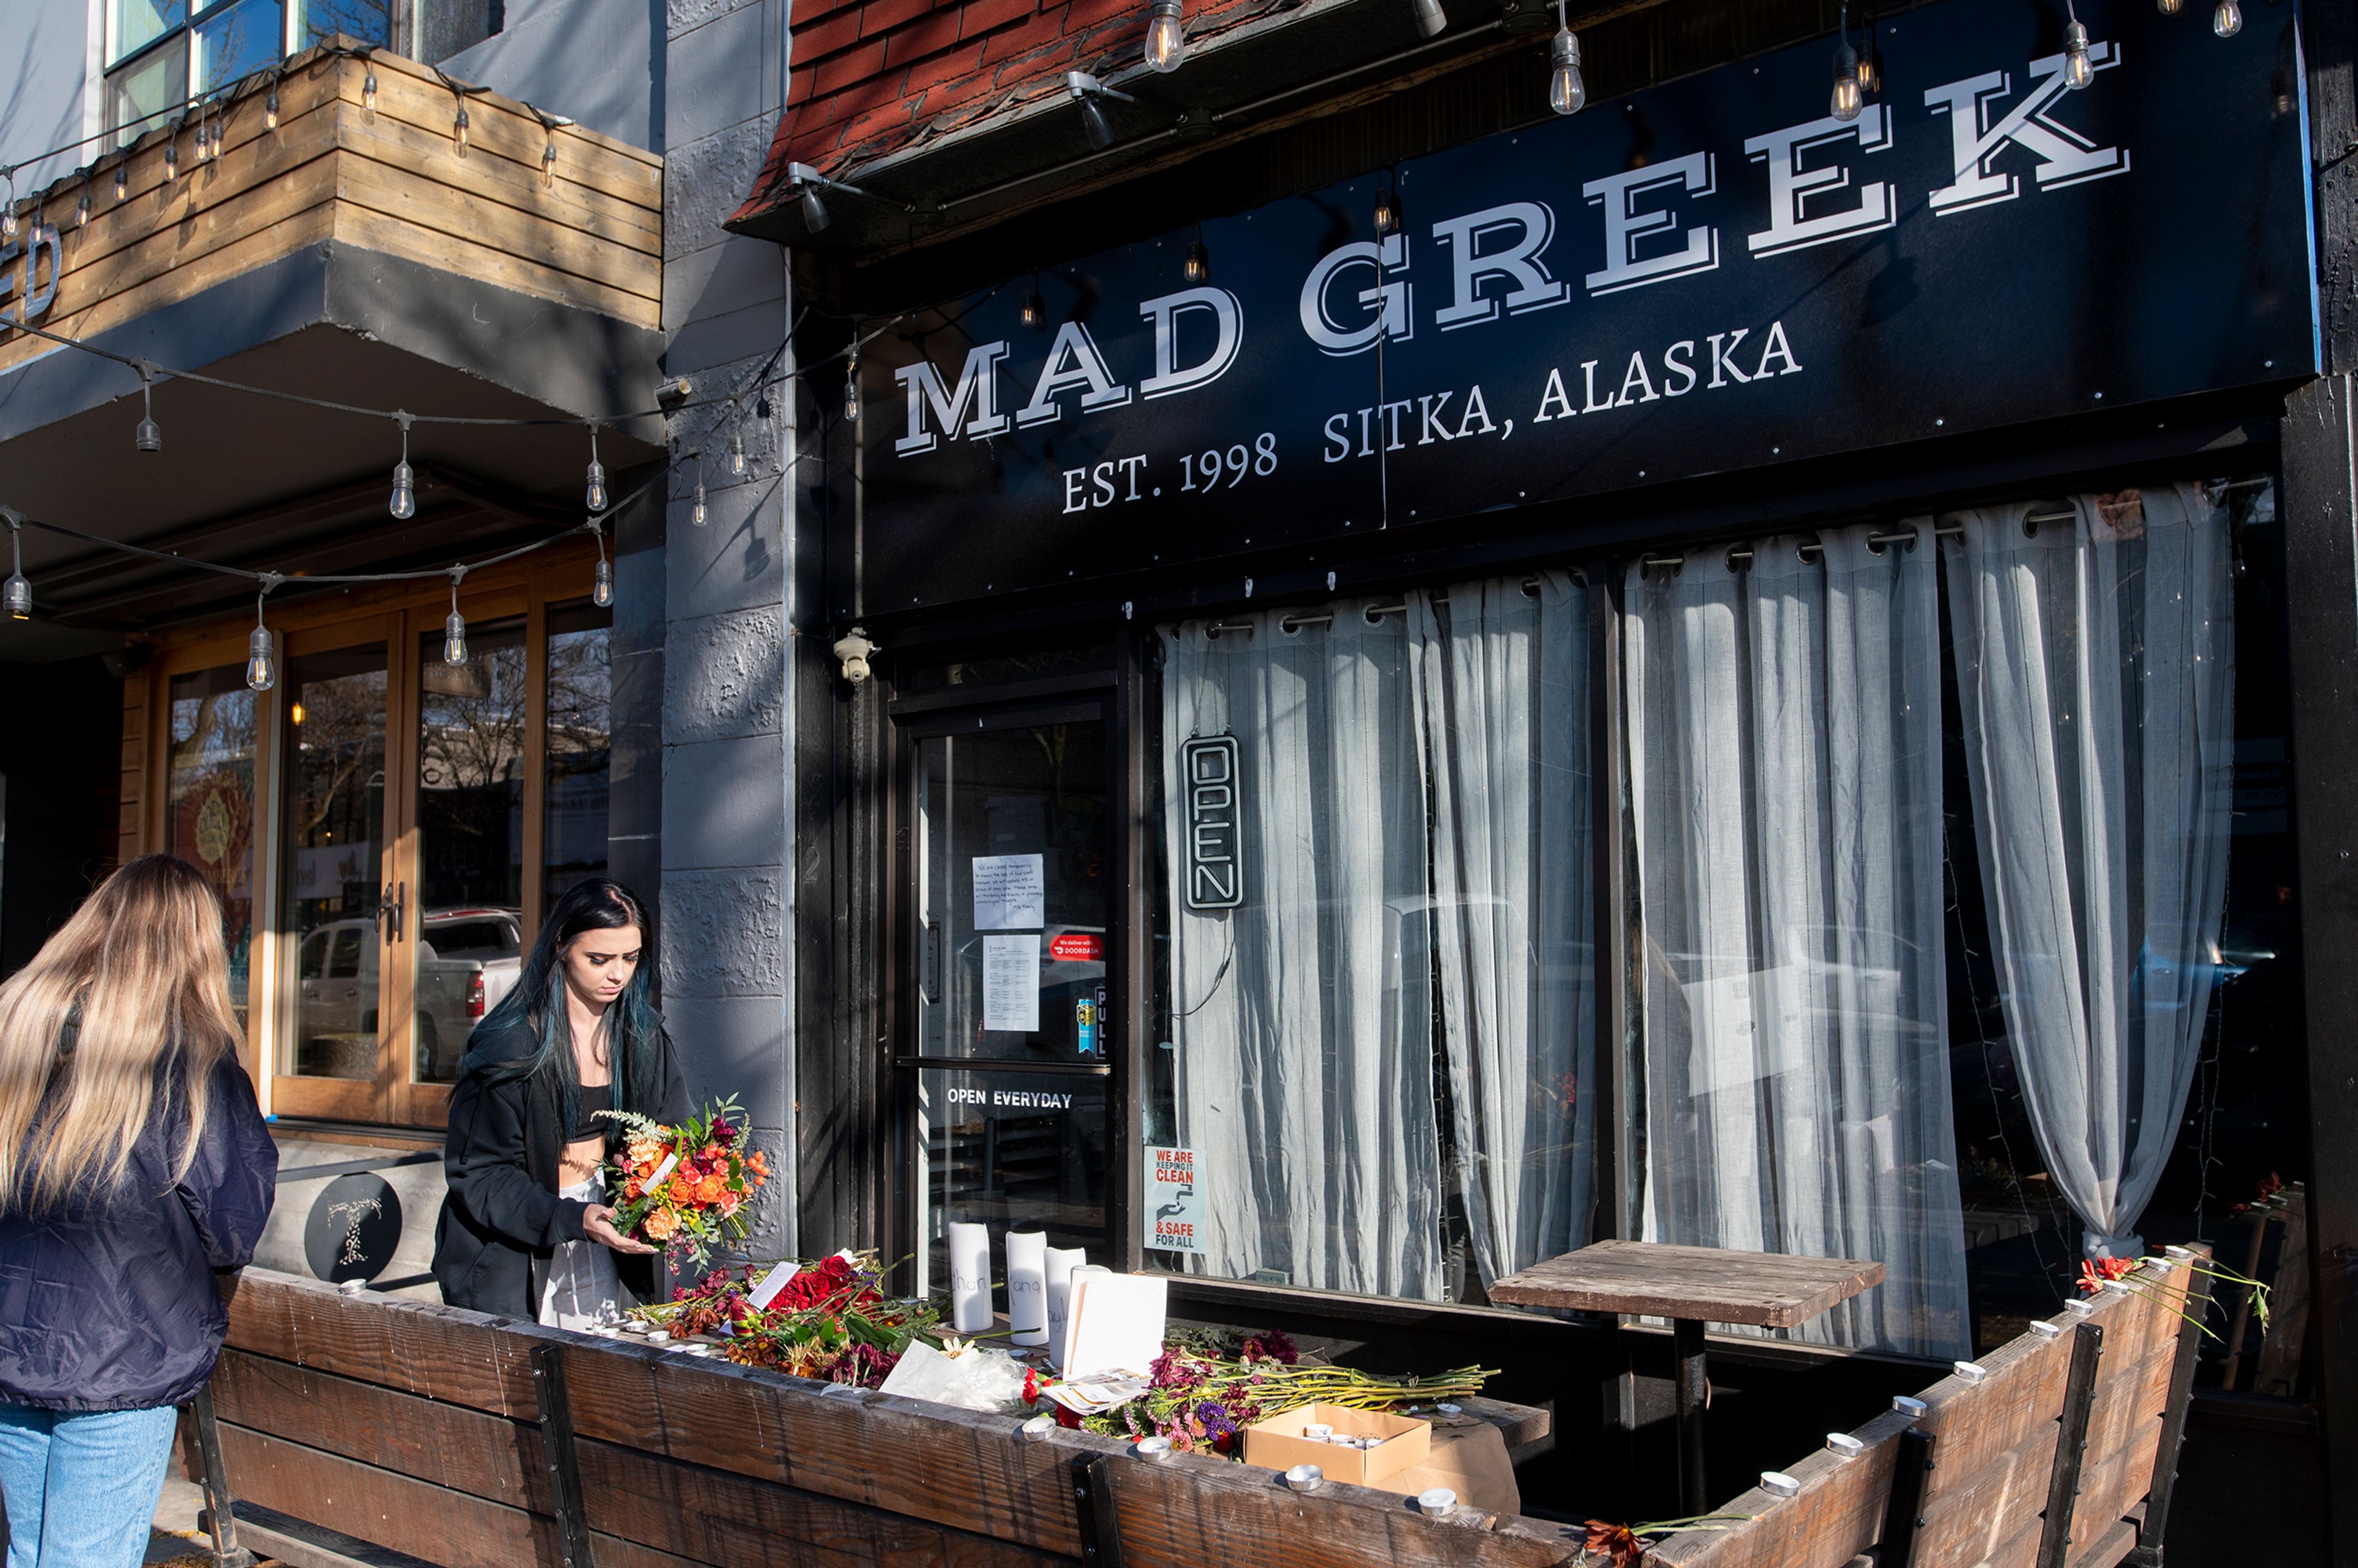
x,y
1615,1542
660,1224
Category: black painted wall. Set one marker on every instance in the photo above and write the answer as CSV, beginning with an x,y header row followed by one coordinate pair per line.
x,y
60,750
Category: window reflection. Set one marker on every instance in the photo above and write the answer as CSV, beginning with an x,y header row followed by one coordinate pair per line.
x,y
208,802
578,741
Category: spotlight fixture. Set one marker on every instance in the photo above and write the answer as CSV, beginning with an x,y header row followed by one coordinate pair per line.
x,y
1035,309
454,628
808,182
1430,19
1086,90
2228,19
602,593
1166,41
16,594
404,505
149,436
1847,99
1388,214
594,491
1567,93
1198,267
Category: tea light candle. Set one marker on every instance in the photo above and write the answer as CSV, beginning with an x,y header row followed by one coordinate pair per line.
x,y
1439,1501
1843,1446
970,1277
1971,1372
1778,1484
2046,1330
1914,1409
1039,1426
1305,1478
1151,1448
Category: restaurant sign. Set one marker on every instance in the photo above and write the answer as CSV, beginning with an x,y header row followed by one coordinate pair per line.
x,y
1709,276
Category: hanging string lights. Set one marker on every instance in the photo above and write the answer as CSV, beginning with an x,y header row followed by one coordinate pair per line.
x,y
1166,40
1870,60
1034,310
270,103
696,512
8,213
404,505
1387,214
1567,93
2077,71
1198,267
260,661
1849,96
149,436
594,490
16,594
2228,19
602,592
851,383
454,628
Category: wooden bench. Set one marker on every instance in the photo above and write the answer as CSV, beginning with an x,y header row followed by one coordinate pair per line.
x,y
354,1429
2060,1454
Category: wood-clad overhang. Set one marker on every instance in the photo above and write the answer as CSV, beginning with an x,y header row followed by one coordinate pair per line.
x,y
355,253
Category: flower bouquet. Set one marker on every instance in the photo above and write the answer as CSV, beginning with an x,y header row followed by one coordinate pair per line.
x,y
685,1188
830,1321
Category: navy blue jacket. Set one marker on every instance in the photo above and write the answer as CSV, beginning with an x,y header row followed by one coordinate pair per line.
x,y
109,1303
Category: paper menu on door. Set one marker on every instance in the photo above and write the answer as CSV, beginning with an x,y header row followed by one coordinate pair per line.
x,y
1011,981
1114,1323
1009,892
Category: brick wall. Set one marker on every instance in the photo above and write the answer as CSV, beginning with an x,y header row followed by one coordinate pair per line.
x,y
871,77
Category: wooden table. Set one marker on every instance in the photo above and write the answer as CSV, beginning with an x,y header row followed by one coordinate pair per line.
x,y
1691,1286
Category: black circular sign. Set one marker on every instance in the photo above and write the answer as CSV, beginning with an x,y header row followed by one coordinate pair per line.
x,y
353,1227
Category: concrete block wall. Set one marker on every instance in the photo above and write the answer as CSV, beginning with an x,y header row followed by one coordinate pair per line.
x,y
721,837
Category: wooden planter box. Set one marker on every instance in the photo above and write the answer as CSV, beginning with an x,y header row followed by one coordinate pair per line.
x,y
442,1435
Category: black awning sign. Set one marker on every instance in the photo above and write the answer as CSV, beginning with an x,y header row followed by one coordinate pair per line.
x,y
1215,848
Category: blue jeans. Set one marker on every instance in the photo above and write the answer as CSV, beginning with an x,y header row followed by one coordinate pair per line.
x,y
81,1489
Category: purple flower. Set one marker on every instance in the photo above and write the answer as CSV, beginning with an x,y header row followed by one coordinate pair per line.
x,y
1218,1421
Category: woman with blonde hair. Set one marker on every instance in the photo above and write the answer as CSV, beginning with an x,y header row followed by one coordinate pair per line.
x,y
133,1166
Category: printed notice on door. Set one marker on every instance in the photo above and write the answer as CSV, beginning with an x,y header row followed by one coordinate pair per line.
x,y
1010,893
1011,981
1174,1200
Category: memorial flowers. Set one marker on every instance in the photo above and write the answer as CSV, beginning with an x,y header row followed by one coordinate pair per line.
x,y
830,1320
685,1188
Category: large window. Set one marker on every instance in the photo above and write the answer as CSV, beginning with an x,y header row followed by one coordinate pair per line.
x,y
209,800
1959,931
162,54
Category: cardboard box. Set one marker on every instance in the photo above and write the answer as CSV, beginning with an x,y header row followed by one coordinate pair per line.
x,y
1276,1442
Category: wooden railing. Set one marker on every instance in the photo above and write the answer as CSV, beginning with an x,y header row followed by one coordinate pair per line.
x,y
585,229
475,1442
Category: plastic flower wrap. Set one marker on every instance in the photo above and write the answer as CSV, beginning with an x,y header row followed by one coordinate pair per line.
x,y
685,1188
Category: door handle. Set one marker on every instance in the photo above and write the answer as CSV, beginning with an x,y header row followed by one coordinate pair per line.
x,y
389,909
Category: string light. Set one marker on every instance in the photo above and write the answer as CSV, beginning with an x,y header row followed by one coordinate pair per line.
x,y
1035,309
368,85
1870,63
82,207
602,593
1847,99
1567,93
404,505
697,514
736,453
2077,71
172,153
261,660
1198,267
548,165
851,383
454,629
1166,41
458,128
149,436
16,595
123,176
1388,214
270,105
2228,19
595,491
8,213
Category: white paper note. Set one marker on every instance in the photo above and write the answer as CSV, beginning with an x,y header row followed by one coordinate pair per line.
x,y
1009,892
1027,1281
1116,1323
970,1277
1011,982
777,1280
1063,1344
1061,1261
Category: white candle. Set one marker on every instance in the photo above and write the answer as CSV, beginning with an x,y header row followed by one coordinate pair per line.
x,y
1027,1298
1061,1262
970,1277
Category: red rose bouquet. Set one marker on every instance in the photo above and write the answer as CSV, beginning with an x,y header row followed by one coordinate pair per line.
x,y
685,1188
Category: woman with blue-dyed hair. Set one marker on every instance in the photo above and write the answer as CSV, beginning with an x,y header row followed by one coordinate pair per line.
x,y
525,1230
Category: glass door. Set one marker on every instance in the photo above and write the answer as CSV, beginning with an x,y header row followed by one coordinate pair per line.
x,y
1005,1050
340,903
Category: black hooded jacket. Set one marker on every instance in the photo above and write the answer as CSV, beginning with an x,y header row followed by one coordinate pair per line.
x,y
109,1303
503,1217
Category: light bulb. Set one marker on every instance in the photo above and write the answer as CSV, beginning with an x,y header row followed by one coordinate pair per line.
x,y
149,437
405,492
2170,7
1846,99
2077,71
1430,18
602,594
8,223
123,178
261,666
459,130
2228,19
1387,214
294,714
454,639
737,453
697,514
172,156
367,91
548,166
1166,41
852,389
81,208
1871,67
1567,93
595,493
1036,310
1198,265
270,108
200,141
17,596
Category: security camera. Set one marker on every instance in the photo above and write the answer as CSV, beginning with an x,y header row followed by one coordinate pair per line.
x,y
853,649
